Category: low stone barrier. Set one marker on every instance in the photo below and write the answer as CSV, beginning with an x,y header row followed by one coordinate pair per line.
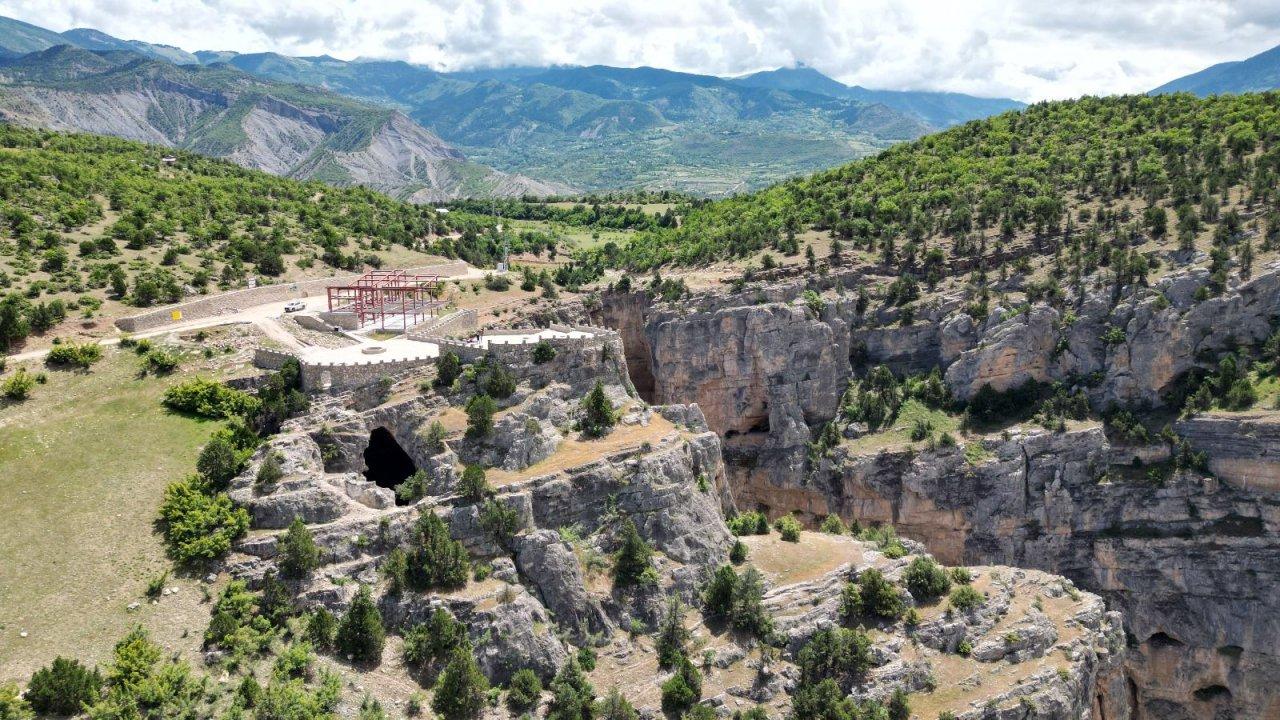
x,y
458,322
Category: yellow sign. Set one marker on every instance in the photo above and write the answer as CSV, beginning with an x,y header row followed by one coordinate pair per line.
x,y
176,315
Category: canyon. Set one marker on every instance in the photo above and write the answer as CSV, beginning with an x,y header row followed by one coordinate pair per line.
x,y
1188,559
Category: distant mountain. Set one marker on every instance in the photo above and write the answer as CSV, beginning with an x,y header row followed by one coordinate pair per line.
x,y
939,109
1258,73
284,129
597,127
90,39
603,127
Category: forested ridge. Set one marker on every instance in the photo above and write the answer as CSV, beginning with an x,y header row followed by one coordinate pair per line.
x,y
1017,172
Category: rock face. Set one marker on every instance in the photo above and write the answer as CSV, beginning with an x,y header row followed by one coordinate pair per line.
x,y
548,589
1191,563
225,113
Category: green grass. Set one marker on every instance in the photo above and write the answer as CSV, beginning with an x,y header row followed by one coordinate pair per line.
x,y
900,432
83,464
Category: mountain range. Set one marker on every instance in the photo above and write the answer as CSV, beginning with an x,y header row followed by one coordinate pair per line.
x,y
585,128
1258,73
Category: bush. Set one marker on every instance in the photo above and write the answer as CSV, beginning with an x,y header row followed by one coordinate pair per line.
x,y
436,561
748,612
159,361
500,520
616,707
434,640
633,564
749,523
220,460
543,352
572,697
837,654
448,368
480,411
360,634
81,356
63,688
473,485
598,417
965,598
524,692
925,579
738,553
298,552
322,628
269,472
499,383
413,489
851,607
833,525
199,527
682,689
672,635
209,398
13,707
461,689
879,596
789,528
717,596
18,385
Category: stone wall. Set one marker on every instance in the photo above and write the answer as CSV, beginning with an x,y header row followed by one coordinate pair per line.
x,y
458,322
236,300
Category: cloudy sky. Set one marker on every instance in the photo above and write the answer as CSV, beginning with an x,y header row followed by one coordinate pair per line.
x,y
1026,49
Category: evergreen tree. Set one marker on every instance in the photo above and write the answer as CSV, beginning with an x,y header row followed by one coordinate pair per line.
x,y
461,688
524,692
634,562
360,634
480,411
448,368
615,706
299,554
672,635
598,416
436,560
572,697
683,688
63,688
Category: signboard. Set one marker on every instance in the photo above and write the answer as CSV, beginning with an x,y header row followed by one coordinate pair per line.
x,y
176,315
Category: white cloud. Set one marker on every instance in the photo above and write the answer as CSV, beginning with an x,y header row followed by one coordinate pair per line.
x,y
1026,49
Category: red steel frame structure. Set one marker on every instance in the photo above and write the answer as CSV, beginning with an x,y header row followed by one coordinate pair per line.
x,y
379,294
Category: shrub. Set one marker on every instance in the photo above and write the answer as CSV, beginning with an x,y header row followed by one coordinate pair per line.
x,y
360,634
833,525
461,689
500,520
209,398
850,602
683,688
500,383
448,368
749,523
298,552
879,596
925,579
436,561
322,628
63,688
961,575
12,706
633,564
837,654
789,527
543,352
524,692
413,489
616,707
480,411
269,472
965,598
473,485
18,385
220,460
899,706
434,640
717,596
748,612
159,361
738,553
572,697
81,356
199,527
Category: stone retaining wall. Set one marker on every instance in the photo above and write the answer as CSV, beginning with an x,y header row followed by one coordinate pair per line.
x,y
458,322
228,302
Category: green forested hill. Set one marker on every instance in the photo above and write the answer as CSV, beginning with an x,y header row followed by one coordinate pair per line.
x,y
1037,171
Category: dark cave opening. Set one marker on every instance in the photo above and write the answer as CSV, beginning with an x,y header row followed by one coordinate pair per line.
x,y
386,463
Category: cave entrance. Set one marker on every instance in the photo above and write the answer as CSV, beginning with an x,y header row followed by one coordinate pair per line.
x,y
386,463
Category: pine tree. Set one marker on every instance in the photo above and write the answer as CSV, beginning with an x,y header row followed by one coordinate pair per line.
x,y
598,417
461,688
672,635
299,554
634,563
448,368
572,697
615,706
480,410
360,634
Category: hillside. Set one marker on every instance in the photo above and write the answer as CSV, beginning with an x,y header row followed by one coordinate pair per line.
x,y
1256,74
283,129
973,189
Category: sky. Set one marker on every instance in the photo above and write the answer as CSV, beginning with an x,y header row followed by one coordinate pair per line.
x,y
1025,49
